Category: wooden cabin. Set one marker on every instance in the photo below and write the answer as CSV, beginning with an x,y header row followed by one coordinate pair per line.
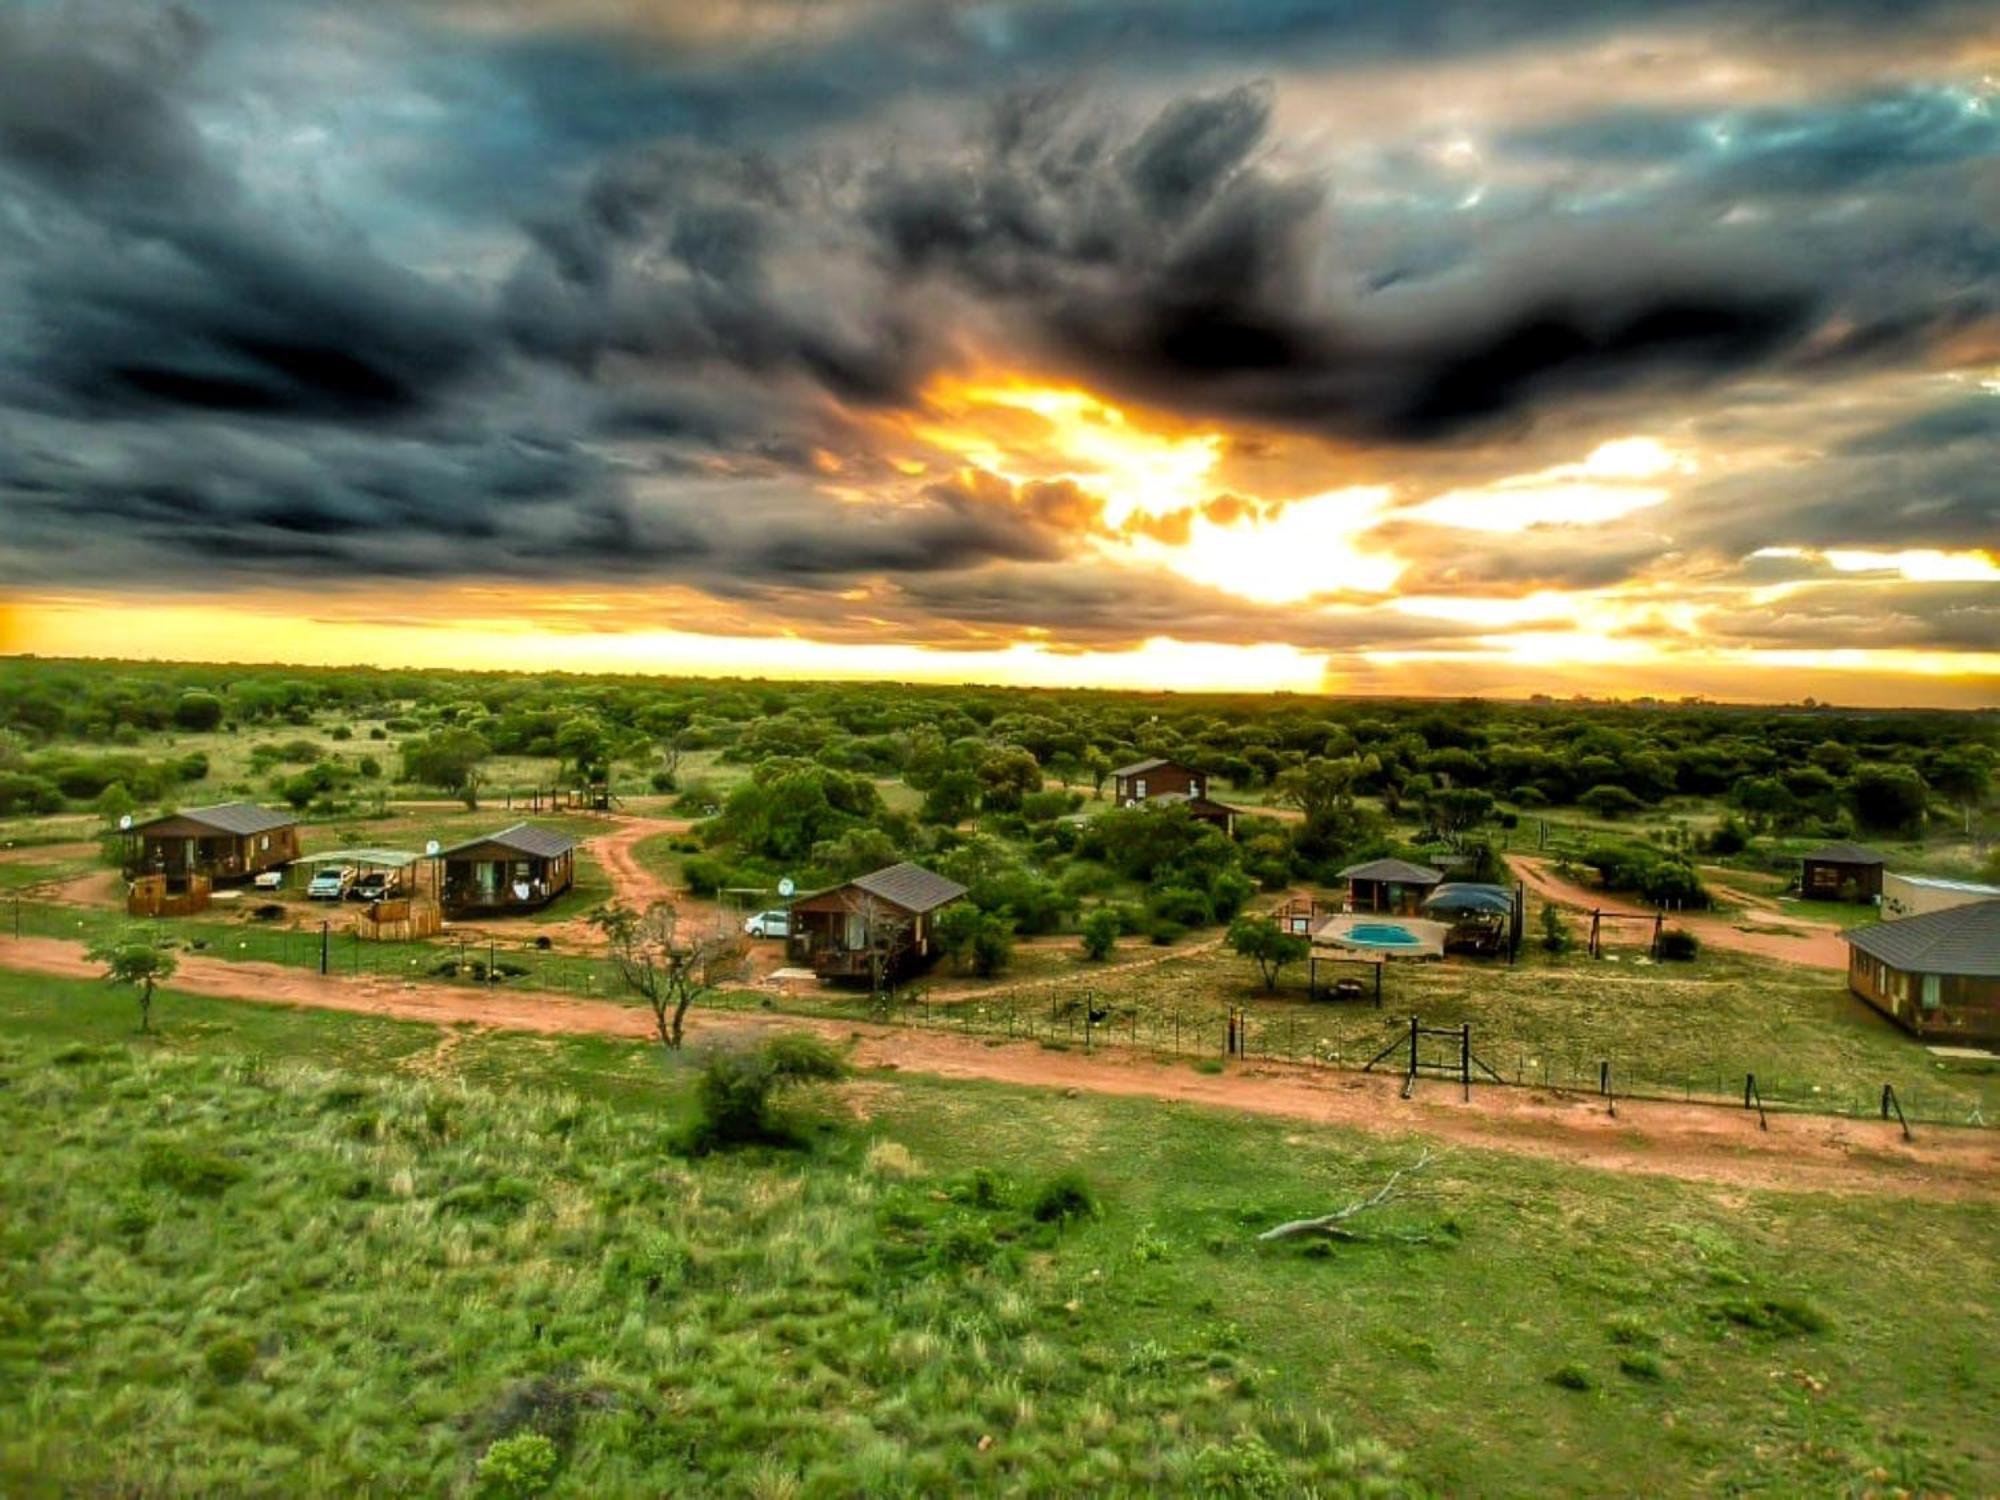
x,y
225,844
1841,872
888,916
1392,886
518,869
1937,975
1144,780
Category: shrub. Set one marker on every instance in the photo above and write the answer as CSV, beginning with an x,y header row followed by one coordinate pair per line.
x,y
188,1169
1571,1377
1063,1197
517,1467
1183,905
1777,1315
734,1095
1678,945
1556,936
1246,1467
1100,933
1641,1365
229,1358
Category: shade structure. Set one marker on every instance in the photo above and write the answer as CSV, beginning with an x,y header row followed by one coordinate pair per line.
x,y
1467,898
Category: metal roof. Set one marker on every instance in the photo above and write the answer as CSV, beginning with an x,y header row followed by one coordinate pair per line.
x,y
1959,940
1939,883
1138,766
524,838
239,818
1466,895
1844,854
911,887
387,859
1399,870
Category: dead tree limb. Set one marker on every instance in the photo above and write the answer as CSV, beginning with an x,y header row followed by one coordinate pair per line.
x,y
1330,1223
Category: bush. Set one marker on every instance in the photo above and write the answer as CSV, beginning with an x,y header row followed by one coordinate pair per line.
x,y
230,1358
1182,905
1100,933
188,1169
1556,936
517,1467
735,1093
1678,945
1063,1197
1571,1377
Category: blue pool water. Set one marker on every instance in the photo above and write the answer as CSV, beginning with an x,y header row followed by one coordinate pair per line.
x,y
1381,935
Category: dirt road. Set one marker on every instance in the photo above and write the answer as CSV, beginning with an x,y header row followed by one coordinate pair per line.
x,y
1693,1142
1810,944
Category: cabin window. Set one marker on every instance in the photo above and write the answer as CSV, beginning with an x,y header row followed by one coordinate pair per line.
x,y
1139,789
1932,992
1194,786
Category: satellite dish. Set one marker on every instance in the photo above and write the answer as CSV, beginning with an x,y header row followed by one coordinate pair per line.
x,y
431,846
124,820
785,886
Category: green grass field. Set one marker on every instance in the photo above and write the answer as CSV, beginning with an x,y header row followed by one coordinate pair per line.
x,y
234,1267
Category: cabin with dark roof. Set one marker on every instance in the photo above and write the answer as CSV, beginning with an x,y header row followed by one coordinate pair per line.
x,y
887,918
518,869
226,844
1393,886
1144,780
1841,872
1937,975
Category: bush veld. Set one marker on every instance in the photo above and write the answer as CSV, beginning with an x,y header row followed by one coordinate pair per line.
x,y
736,1090
1678,945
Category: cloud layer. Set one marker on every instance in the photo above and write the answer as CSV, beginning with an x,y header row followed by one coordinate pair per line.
x,y
977,325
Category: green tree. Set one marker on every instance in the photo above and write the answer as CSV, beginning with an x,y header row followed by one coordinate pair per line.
x,y
1964,776
582,743
1100,933
198,711
1888,798
448,759
1268,945
134,958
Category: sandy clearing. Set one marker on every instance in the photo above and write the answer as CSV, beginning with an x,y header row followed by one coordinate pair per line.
x,y
1692,1142
1813,946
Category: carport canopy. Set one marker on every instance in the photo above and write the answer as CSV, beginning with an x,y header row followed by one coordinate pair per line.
x,y
369,859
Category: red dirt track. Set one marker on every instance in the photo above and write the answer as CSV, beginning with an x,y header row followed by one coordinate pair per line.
x,y
1693,1142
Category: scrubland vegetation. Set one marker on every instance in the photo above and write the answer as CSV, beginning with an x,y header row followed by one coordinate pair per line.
x,y
480,1264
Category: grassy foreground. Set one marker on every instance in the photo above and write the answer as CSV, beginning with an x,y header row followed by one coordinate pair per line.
x,y
232,1267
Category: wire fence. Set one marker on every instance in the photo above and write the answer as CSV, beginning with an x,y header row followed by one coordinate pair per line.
x,y
1332,1036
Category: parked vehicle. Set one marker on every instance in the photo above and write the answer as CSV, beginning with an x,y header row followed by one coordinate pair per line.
x,y
330,885
376,885
269,880
769,924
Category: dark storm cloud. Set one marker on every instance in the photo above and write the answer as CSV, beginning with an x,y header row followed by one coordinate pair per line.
x,y
1946,497
1542,557
149,282
1872,616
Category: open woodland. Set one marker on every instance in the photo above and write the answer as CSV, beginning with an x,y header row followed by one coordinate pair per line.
x,y
321,1247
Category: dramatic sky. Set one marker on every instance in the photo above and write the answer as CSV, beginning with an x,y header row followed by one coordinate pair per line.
x,y
1365,345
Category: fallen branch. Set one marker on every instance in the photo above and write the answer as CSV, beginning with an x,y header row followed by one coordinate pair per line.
x,y
1329,1224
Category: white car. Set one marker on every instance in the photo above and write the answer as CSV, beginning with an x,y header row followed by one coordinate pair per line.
x,y
269,880
329,885
769,924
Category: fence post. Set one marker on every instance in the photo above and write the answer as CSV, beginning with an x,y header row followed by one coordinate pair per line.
x,y
325,938
1465,1058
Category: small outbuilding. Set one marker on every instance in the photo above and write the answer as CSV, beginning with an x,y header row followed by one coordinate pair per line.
x,y
1144,780
518,869
1841,872
887,917
226,844
1390,885
1938,975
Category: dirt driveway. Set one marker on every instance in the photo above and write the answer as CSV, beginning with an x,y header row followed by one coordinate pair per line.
x,y
1810,944
1694,1142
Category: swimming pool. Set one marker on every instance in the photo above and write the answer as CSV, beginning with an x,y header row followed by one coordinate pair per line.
x,y
1381,935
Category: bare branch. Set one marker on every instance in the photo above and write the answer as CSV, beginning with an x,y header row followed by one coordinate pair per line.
x,y
1329,1223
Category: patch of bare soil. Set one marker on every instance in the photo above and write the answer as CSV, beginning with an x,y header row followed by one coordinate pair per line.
x,y
1695,1142
1808,944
